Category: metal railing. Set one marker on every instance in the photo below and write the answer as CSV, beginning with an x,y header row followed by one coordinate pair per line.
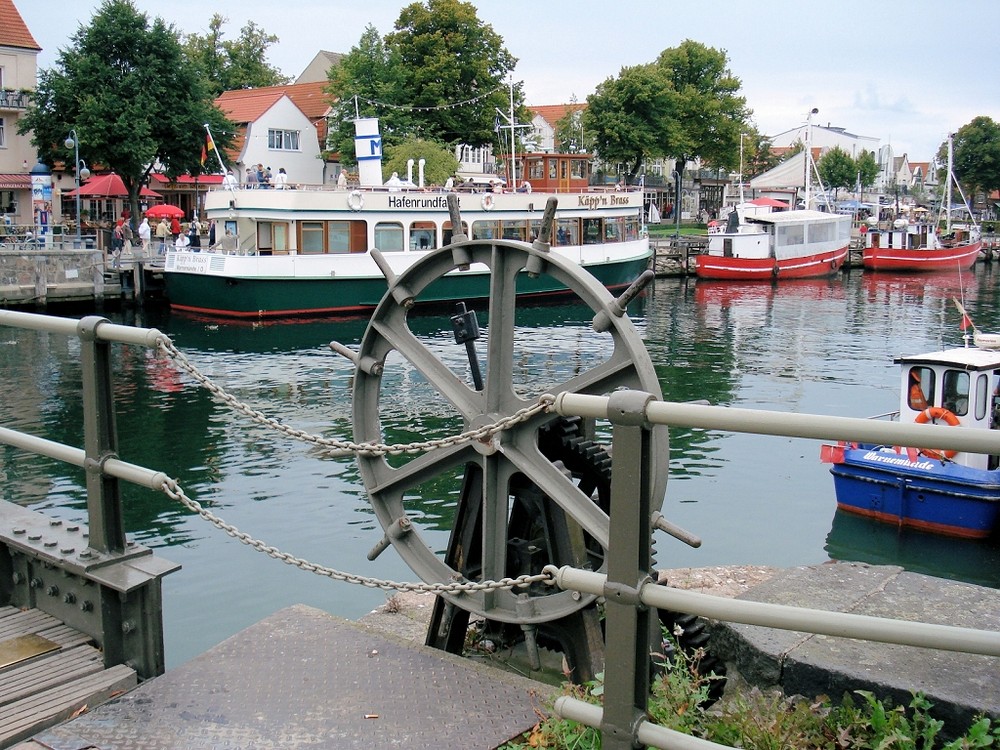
x,y
95,580
631,595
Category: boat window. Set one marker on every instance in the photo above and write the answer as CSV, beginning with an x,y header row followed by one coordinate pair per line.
x,y
790,235
955,392
920,393
423,235
982,395
485,230
592,234
823,232
339,236
633,224
614,229
567,232
535,169
389,236
514,230
446,231
311,242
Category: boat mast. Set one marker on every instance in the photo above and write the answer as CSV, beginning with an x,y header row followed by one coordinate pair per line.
x,y
948,190
809,122
742,199
513,148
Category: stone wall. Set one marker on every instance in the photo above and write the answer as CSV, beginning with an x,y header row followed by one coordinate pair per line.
x,y
51,276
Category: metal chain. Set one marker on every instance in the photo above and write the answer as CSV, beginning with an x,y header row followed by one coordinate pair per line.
x,y
173,490
333,446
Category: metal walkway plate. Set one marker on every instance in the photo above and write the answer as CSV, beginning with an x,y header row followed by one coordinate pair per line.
x,y
302,678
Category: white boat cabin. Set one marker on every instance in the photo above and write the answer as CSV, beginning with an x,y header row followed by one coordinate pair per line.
x,y
756,232
956,387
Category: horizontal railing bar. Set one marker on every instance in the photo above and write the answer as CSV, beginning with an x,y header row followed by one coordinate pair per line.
x,y
105,330
647,733
784,617
77,457
788,424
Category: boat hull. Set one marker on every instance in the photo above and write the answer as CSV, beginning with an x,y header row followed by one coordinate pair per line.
x,y
811,266
918,492
903,259
255,294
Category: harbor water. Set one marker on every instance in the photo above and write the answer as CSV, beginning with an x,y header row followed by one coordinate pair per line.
x,y
823,347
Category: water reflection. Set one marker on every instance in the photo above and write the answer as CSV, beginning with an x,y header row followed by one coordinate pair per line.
x,y
814,346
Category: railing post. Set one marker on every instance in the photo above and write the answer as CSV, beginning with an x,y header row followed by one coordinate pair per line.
x,y
100,439
630,626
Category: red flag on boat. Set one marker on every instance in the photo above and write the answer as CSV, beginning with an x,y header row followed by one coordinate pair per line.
x,y
966,321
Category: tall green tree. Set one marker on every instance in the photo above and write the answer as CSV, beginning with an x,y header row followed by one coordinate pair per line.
x,y
837,169
439,162
440,75
230,64
975,156
867,168
132,96
686,105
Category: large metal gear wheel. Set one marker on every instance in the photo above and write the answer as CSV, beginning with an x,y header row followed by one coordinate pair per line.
x,y
485,477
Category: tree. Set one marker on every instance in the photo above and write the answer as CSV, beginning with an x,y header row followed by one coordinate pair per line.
x,y
569,133
439,162
975,156
758,154
866,168
685,105
837,169
132,96
439,76
236,64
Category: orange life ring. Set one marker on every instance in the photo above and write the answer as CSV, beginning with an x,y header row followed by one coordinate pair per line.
x,y
931,414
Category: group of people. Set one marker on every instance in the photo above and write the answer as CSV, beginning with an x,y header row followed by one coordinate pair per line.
x,y
262,177
168,233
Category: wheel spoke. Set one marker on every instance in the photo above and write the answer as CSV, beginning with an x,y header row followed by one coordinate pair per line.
x,y
500,346
426,466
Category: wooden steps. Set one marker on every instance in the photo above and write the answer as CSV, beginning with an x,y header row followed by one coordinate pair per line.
x,y
40,689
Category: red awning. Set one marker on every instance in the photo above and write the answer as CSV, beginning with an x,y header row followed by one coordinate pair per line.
x,y
108,186
15,182
773,203
186,179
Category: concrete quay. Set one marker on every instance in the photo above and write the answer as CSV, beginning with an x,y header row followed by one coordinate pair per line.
x,y
961,686
302,678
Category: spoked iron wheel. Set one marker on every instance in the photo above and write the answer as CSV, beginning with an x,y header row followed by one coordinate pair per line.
x,y
527,497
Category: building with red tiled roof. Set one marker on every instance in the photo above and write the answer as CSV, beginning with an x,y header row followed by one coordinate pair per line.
x,y
544,121
18,78
279,126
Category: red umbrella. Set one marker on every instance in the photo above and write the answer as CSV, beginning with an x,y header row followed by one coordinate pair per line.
x,y
109,186
167,210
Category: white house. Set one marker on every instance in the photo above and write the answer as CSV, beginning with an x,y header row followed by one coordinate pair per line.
x,y
275,133
827,137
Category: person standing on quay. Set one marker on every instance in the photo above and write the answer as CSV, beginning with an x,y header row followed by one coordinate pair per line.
x,y
162,232
175,228
145,233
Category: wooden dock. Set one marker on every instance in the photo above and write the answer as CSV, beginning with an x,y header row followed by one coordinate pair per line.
x,y
49,673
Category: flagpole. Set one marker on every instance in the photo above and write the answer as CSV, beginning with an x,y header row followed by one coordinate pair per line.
x,y
215,148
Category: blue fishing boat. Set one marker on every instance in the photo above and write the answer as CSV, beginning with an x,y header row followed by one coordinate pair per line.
x,y
941,491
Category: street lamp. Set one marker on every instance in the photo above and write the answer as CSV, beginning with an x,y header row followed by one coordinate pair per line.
x,y
73,142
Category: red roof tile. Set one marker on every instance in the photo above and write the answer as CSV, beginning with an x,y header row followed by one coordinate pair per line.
x,y
553,113
13,31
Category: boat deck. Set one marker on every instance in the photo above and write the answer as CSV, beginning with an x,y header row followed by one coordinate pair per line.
x,y
49,672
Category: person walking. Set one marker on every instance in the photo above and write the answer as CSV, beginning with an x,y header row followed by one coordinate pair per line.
x,y
145,233
175,228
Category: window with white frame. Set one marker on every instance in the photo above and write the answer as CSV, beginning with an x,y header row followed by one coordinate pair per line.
x,y
283,140
3,133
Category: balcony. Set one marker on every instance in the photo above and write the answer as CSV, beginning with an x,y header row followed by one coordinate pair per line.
x,y
11,99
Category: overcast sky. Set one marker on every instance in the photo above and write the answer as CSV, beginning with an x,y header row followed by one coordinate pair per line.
x,y
907,72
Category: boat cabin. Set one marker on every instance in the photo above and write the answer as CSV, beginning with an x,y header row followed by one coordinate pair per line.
x,y
954,387
903,235
753,233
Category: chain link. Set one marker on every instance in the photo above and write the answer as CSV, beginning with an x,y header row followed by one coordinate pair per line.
x,y
333,446
174,491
